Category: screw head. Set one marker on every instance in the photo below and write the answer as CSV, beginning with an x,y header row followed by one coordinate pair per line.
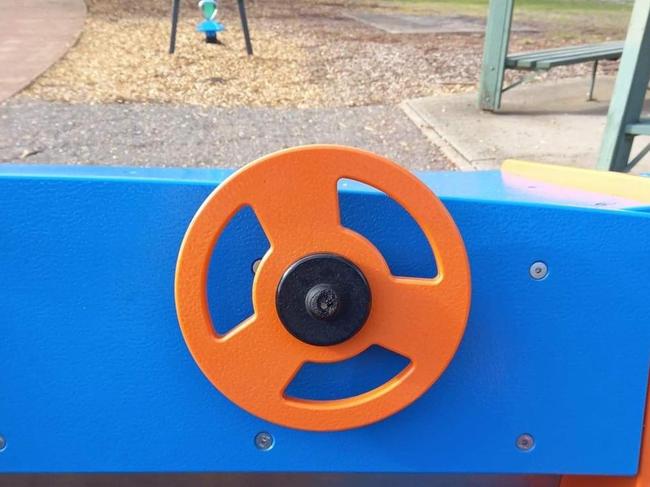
x,y
3,443
525,442
264,441
322,302
538,270
255,265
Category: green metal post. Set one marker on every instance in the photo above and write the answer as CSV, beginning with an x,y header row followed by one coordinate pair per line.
x,y
629,93
497,37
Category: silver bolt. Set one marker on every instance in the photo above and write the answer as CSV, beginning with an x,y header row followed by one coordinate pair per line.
x,y
264,441
538,271
525,442
3,443
255,265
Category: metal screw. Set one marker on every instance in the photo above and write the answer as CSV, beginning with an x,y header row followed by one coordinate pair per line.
x,y
264,441
538,271
255,265
322,302
3,443
525,442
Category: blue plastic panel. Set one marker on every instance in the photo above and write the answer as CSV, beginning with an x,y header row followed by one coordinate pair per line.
x,y
95,376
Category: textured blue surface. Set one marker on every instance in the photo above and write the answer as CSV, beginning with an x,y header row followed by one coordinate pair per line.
x,y
210,27
95,376
483,185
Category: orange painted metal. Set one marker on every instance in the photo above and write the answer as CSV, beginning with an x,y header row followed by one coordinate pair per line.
x,y
642,479
294,195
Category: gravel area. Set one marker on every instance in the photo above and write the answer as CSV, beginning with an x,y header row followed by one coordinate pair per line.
x,y
308,53
317,76
167,135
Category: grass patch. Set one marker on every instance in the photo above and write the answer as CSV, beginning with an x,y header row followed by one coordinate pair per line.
x,y
564,19
530,5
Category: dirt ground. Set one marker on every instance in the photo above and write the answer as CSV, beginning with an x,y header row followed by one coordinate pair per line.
x,y
308,54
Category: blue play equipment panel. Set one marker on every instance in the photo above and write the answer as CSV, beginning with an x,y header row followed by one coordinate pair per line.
x,y
96,376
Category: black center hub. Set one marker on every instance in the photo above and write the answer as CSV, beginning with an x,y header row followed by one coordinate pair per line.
x,y
323,299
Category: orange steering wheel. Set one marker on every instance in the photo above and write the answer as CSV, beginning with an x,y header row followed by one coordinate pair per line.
x,y
294,196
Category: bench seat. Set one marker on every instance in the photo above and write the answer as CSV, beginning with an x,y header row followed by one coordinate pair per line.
x,y
550,58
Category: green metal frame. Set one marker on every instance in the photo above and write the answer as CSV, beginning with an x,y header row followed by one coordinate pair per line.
x,y
496,59
497,38
624,120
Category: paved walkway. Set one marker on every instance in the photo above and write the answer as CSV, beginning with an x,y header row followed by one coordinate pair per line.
x,y
168,135
33,36
544,122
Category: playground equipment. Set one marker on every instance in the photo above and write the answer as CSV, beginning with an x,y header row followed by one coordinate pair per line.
x,y
316,312
624,121
496,59
210,27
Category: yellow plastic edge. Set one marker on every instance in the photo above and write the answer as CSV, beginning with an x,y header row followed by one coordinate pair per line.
x,y
611,183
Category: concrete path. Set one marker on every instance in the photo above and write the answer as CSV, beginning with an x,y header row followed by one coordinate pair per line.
x,y
33,36
544,122
168,135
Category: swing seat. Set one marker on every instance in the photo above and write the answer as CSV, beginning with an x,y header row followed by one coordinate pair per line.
x,y
210,27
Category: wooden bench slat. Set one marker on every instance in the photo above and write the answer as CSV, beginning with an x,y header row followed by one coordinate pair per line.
x,y
616,45
550,58
569,57
536,56
527,61
565,61
550,62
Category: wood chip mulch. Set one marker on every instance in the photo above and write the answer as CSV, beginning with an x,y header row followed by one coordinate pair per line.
x,y
307,54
